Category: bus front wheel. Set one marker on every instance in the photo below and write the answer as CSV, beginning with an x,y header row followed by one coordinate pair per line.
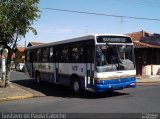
x,y
76,87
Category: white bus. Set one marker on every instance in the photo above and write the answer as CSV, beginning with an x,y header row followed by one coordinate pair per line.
x,y
98,63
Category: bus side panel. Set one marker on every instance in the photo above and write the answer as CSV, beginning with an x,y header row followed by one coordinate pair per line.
x,y
84,71
46,71
66,70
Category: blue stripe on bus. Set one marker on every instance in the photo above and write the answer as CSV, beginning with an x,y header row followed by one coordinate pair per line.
x,y
104,85
115,84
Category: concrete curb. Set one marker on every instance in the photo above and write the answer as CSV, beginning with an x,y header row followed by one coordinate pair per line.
x,y
147,83
16,98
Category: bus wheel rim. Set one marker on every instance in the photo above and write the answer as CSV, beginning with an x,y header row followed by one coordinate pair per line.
x,y
38,79
76,86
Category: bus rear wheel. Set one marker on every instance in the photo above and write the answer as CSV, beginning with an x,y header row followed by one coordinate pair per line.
x,y
76,87
38,78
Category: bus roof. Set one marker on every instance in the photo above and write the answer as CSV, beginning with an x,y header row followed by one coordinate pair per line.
x,y
87,37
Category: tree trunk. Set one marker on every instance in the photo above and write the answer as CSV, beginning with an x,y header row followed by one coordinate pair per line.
x,y
8,61
8,68
3,68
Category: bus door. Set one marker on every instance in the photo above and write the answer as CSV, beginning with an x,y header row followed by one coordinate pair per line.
x,y
89,75
56,67
89,66
56,72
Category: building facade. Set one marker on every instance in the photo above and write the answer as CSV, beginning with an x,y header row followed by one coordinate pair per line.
x,y
147,53
19,55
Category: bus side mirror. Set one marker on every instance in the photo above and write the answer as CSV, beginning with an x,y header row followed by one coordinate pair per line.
x,y
123,48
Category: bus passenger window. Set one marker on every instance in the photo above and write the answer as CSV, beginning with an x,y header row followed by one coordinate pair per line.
x,y
38,55
64,55
45,53
75,54
51,55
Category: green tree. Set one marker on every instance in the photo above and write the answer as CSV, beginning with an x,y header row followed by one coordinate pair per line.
x,y
16,19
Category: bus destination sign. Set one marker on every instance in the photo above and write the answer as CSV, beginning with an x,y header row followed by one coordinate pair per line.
x,y
107,39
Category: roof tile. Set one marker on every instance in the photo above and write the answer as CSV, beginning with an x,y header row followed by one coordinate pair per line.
x,y
20,49
144,45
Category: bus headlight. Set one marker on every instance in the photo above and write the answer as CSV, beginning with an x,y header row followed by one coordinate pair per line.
x,y
100,81
97,80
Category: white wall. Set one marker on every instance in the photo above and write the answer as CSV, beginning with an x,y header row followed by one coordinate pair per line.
x,y
146,70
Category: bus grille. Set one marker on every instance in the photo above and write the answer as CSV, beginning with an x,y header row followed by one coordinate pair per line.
x,y
121,80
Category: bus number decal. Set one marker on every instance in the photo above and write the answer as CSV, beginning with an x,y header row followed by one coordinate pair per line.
x,y
75,68
40,66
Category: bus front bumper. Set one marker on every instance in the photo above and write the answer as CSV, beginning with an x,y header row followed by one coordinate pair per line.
x,y
116,84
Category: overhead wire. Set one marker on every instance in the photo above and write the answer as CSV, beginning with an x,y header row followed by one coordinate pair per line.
x,y
102,14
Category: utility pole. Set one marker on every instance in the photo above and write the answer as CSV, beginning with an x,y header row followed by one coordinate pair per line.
x,y
122,20
122,24
3,66
25,45
86,29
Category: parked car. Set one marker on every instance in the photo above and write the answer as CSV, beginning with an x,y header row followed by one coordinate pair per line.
x,y
23,69
20,67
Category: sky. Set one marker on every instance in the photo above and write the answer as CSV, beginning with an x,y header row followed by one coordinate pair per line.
x,y
57,25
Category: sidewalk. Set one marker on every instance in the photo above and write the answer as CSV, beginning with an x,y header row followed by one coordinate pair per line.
x,y
15,92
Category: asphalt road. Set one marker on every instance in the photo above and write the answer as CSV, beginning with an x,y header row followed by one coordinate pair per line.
x,y
58,99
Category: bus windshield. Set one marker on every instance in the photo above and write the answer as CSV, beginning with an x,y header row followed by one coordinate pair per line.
x,y
114,57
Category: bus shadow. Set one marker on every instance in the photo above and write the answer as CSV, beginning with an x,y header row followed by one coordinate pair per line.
x,y
49,89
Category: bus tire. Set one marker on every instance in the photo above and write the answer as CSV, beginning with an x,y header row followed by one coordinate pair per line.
x,y
38,78
76,86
